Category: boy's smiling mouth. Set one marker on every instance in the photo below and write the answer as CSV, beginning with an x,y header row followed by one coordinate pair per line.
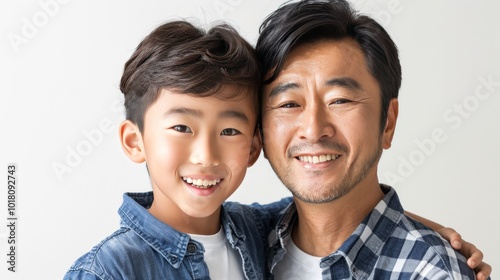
x,y
201,183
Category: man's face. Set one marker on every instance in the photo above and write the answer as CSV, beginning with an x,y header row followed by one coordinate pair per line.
x,y
321,121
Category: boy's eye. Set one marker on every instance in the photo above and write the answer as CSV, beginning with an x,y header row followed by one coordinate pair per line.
x,y
230,132
182,128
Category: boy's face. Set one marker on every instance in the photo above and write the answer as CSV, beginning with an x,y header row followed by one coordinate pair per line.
x,y
197,150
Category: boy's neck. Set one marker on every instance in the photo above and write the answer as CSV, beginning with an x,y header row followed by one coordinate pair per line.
x,y
180,221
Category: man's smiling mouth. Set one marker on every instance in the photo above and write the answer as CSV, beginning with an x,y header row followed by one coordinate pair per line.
x,y
318,159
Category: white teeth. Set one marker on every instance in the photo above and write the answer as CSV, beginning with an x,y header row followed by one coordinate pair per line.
x,y
317,159
199,183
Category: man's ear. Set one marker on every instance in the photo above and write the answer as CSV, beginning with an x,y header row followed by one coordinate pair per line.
x,y
131,141
390,125
255,148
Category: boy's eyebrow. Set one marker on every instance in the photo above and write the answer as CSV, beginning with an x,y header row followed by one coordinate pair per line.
x,y
344,82
198,113
234,115
184,111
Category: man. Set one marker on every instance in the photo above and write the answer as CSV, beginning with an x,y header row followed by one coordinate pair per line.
x,y
329,107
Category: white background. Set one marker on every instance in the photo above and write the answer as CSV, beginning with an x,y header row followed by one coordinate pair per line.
x,y
60,68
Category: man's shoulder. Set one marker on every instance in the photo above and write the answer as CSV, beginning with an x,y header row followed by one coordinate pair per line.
x,y
414,230
425,249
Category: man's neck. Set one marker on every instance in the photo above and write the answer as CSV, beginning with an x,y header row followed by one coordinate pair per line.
x,y
322,228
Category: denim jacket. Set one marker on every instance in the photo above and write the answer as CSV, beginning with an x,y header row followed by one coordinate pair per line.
x,y
146,248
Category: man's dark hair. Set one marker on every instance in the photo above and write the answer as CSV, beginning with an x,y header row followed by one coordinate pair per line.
x,y
181,57
314,20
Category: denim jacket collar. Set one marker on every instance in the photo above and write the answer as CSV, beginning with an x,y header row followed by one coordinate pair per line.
x,y
233,233
170,243
284,225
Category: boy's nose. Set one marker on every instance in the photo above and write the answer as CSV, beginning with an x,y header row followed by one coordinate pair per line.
x,y
205,152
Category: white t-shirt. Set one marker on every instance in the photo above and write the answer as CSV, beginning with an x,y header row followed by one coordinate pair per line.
x,y
297,265
222,260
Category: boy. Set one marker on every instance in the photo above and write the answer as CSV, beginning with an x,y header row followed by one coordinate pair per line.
x,y
191,108
191,102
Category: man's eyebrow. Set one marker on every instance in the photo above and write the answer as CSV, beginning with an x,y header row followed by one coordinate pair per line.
x,y
232,114
344,82
282,87
183,111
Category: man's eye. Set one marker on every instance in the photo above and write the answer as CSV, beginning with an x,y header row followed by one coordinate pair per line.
x,y
182,128
230,132
341,101
289,105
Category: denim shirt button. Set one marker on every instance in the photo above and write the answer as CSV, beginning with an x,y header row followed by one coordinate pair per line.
x,y
191,248
173,259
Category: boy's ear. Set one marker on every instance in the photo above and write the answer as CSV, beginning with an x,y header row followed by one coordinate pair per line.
x,y
390,125
131,141
255,148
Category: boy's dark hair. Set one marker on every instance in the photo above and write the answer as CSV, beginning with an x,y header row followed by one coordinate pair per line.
x,y
180,57
314,20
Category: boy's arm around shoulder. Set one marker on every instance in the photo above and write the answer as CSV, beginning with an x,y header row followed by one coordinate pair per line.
x,y
265,213
443,258
470,251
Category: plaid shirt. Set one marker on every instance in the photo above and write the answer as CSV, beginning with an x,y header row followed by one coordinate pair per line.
x,y
386,245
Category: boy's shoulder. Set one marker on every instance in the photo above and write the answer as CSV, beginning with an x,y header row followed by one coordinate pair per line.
x,y
121,255
121,246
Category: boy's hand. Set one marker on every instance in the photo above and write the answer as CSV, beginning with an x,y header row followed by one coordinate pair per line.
x,y
469,250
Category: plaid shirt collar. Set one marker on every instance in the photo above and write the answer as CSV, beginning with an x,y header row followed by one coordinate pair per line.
x,y
361,249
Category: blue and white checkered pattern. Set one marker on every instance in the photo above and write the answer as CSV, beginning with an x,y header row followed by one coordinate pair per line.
x,y
386,245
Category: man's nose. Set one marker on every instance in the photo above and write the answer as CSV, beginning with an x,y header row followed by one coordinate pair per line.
x,y
315,123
